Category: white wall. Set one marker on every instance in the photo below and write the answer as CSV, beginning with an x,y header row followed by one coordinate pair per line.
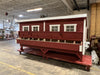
x,y
17,27
1,25
6,24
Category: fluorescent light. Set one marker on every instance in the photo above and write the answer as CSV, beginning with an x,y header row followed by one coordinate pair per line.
x,y
20,15
36,9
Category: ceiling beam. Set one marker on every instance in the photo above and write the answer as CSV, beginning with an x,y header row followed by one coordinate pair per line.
x,y
67,4
88,4
82,8
77,7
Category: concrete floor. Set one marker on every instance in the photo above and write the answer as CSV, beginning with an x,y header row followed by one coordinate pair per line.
x,y
11,63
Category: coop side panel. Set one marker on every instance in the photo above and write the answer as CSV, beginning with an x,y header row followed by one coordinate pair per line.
x,y
79,23
30,24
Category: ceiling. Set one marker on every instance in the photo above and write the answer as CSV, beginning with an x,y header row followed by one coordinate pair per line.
x,y
17,7
50,8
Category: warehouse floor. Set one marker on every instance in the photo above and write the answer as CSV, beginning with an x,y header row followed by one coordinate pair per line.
x,y
11,63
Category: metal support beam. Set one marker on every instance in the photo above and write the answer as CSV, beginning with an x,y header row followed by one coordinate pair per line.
x,y
67,4
76,5
88,4
3,24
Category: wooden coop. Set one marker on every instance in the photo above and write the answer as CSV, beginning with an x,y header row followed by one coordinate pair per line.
x,y
61,38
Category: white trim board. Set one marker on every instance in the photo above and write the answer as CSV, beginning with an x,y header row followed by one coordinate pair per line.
x,y
35,26
25,26
80,48
84,36
75,27
53,18
50,27
44,26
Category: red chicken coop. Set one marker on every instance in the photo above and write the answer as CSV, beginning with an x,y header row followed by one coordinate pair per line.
x,y
61,38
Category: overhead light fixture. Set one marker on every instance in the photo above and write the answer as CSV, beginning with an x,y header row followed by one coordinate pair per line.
x,y
36,9
20,15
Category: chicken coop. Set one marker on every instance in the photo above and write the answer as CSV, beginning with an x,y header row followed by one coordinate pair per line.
x,y
61,38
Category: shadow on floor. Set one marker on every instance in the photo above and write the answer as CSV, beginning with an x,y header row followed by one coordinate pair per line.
x,y
54,62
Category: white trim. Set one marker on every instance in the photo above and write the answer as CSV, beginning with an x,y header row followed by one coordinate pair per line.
x,y
50,27
44,26
35,26
80,48
70,25
25,26
54,18
84,36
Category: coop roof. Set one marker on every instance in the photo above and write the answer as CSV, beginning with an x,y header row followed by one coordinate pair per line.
x,y
53,18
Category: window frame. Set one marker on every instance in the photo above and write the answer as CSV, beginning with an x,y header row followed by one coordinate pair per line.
x,y
25,26
50,27
65,25
35,26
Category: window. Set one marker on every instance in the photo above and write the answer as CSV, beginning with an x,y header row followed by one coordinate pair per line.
x,y
35,28
70,27
25,28
55,28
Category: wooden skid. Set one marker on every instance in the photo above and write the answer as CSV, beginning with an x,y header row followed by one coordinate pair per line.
x,y
61,56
